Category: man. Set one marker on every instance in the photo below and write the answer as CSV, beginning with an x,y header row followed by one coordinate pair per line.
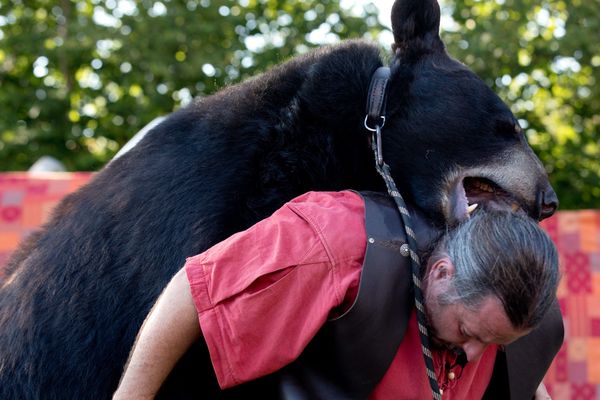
x,y
270,301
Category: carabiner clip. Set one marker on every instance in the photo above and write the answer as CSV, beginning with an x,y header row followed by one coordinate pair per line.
x,y
379,151
376,136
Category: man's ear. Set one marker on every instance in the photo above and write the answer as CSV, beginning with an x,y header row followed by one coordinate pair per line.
x,y
442,269
416,23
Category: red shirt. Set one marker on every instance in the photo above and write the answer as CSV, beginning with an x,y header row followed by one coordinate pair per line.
x,y
264,293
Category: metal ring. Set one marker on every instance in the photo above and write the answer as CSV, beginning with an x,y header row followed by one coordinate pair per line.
x,y
376,126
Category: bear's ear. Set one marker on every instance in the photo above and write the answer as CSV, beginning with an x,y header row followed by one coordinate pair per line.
x,y
416,23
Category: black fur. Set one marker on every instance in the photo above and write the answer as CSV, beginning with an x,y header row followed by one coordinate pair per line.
x,y
75,295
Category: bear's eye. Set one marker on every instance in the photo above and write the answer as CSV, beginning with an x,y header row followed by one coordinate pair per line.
x,y
509,128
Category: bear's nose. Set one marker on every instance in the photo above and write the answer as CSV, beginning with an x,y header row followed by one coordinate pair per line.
x,y
548,203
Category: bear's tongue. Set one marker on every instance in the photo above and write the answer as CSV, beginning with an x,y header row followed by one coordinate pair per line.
x,y
461,209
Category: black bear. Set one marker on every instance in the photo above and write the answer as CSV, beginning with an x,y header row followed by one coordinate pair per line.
x,y
75,294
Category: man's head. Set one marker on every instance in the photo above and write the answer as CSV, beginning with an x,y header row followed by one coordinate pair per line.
x,y
489,281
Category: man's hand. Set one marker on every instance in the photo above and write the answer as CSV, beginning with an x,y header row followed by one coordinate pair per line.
x,y
541,393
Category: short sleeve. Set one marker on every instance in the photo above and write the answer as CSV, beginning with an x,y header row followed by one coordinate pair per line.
x,y
264,293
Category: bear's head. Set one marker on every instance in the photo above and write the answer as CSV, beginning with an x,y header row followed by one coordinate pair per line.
x,y
463,139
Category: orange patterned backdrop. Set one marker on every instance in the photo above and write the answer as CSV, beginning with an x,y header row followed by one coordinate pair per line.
x,y
27,200
575,373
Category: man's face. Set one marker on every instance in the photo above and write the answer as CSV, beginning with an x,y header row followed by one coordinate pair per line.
x,y
457,326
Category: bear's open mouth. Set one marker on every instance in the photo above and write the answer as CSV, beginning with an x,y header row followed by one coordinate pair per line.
x,y
479,192
484,190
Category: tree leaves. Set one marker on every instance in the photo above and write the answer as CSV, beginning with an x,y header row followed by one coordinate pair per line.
x,y
78,79
543,59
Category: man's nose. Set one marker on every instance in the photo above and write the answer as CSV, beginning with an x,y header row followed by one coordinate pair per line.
x,y
473,349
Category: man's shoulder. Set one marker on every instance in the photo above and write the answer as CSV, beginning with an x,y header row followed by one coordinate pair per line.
x,y
328,200
329,209
337,218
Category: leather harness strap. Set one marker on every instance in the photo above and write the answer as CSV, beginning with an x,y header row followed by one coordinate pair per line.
x,y
378,94
376,112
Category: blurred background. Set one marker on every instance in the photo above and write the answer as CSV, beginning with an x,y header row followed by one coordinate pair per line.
x,y
79,78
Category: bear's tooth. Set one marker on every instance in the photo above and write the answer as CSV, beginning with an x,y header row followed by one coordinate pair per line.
x,y
471,208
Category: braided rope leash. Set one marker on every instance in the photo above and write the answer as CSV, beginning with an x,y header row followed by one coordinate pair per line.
x,y
376,112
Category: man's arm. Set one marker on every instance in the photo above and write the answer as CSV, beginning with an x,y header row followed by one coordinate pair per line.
x,y
168,331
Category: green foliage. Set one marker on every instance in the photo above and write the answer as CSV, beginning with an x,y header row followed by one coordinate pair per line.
x,y
79,78
542,58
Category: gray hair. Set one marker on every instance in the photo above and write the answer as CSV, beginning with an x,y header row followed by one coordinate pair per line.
x,y
506,255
